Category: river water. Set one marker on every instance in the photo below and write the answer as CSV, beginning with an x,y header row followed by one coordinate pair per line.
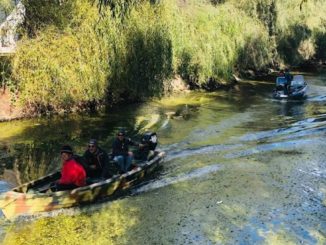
x,y
241,168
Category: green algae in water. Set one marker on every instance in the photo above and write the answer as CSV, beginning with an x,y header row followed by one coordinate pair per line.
x,y
270,197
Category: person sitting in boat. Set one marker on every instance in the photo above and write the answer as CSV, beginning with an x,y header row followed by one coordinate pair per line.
x,y
96,161
120,151
281,73
288,77
73,174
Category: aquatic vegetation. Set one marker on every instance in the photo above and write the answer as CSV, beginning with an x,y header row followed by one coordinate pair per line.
x,y
271,194
105,226
12,129
185,99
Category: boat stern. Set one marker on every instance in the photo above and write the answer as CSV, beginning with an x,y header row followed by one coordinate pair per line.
x,y
13,203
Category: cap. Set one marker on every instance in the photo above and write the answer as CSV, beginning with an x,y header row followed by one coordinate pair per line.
x,y
92,142
66,149
121,132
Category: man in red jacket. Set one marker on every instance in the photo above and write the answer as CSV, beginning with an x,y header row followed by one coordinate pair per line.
x,y
73,174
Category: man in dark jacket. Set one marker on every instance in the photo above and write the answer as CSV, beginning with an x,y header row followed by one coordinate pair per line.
x,y
121,153
96,161
288,76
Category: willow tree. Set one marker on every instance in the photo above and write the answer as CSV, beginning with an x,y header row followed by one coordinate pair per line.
x,y
120,7
302,2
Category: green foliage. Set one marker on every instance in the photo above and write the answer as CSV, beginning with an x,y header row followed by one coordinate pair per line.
x,y
142,54
215,2
62,68
285,20
299,28
289,42
118,8
6,81
6,6
256,53
59,13
213,43
320,38
73,53
5,70
267,14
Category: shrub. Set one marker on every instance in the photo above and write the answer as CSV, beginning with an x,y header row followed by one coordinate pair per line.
x,y
289,42
61,68
40,14
298,30
320,43
6,6
142,55
74,54
5,70
214,41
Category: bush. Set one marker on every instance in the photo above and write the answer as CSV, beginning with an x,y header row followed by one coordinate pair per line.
x,y
298,38
289,42
61,68
214,42
320,43
74,54
5,70
141,55
6,6
256,53
40,14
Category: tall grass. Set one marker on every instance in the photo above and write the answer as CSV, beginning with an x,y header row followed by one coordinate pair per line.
x,y
300,31
214,42
141,53
71,53
61,68
6,6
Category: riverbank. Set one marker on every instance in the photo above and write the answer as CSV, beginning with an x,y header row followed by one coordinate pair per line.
x,y
9,111
99,60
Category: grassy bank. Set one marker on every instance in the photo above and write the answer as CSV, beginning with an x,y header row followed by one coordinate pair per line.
x,y
71,54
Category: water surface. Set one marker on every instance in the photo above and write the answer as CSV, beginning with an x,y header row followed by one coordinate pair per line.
x,y
241,168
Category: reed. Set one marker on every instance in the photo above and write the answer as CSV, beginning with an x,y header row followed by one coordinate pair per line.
x,y
71,53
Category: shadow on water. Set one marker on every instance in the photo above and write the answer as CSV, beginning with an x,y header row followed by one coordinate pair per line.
x,y
291,108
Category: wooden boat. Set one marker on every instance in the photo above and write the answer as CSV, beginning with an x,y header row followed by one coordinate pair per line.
x,y
35,196
296,90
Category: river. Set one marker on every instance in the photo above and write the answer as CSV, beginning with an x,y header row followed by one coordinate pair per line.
x,y
241,168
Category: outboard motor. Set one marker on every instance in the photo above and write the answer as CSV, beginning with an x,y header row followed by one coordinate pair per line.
x,y
149,139
149,142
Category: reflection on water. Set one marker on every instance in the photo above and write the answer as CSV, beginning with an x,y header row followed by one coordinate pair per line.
x,y
25,162
292,108
241,168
